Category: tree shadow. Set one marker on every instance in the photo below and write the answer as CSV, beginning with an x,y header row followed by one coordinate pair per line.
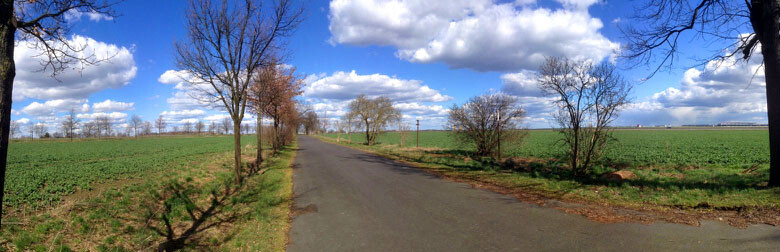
x,y
182,210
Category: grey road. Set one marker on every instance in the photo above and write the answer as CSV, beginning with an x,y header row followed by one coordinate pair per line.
x,y
355,201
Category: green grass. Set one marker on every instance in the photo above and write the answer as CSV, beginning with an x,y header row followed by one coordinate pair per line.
x,y
39,173
126,215
675,168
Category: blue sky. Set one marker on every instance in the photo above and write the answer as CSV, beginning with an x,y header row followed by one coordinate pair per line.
x,y
426,55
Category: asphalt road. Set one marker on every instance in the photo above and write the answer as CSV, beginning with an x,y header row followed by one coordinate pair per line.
x,y
355,201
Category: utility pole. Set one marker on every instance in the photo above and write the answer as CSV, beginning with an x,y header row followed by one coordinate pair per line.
x,y
418,133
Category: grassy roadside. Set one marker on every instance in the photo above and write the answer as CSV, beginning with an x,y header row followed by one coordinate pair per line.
x,y
193,205
655,188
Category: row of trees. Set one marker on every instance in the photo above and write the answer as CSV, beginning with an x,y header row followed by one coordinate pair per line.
x,y
104,126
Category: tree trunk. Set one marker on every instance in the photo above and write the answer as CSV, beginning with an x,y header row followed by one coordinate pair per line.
x,y
7,74
237,149
259,134
368,136
764,19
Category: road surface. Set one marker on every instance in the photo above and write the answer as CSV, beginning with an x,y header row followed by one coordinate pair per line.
x,y
354,201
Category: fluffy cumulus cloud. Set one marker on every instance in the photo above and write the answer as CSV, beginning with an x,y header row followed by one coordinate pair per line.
x,y
77,81
538,106
185,96
478,34
348,85
116,117
52,107
729,90
112,106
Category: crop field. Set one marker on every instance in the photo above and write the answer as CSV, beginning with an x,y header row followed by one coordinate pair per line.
x,y
41,172
662,147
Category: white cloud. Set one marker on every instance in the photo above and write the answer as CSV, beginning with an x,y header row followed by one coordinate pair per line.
x,y
480,35
183,113
74,15
110,106
347,86
187,97
74,82
732,90
523,83
116,117
52,107
23,121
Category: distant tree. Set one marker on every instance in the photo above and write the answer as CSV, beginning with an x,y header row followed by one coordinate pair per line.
x,y
374,114
226,125
228,42
310,122
146,128
105,124
213,127
70,123
175,129
43,25
14,129
348,122
135,123
588,99
160,124
187,127
199,127
486,122
40,129
89,129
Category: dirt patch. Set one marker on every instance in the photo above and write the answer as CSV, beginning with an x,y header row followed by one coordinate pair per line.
x,y
297,211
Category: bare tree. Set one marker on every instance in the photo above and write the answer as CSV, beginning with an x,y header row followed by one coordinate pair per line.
x,y
228,42
486,122
160,124
89,129
588,99
186,127
105,124
135,123
375,114
310,122
40,129
348,121
43,25
14,129
659,25
199,127
70,123
146,128
213,127
226,124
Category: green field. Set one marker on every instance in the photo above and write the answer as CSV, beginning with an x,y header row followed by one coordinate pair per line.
x,y
663,147
41,172
135,194
681,168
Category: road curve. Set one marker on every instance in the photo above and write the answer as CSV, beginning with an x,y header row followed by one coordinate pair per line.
x,y
349,200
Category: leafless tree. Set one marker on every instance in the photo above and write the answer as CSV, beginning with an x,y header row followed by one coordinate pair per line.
x,y
43,25
226,125
175,129
136,123
213,127
187,127
588,99
228,42
374,114
89,129
750,26
40,129
13,129
160,124
199,127
105,124
146,128
487,122
70,123
348,121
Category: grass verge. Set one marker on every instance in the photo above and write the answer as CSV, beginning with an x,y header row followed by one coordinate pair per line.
x,y
193,206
